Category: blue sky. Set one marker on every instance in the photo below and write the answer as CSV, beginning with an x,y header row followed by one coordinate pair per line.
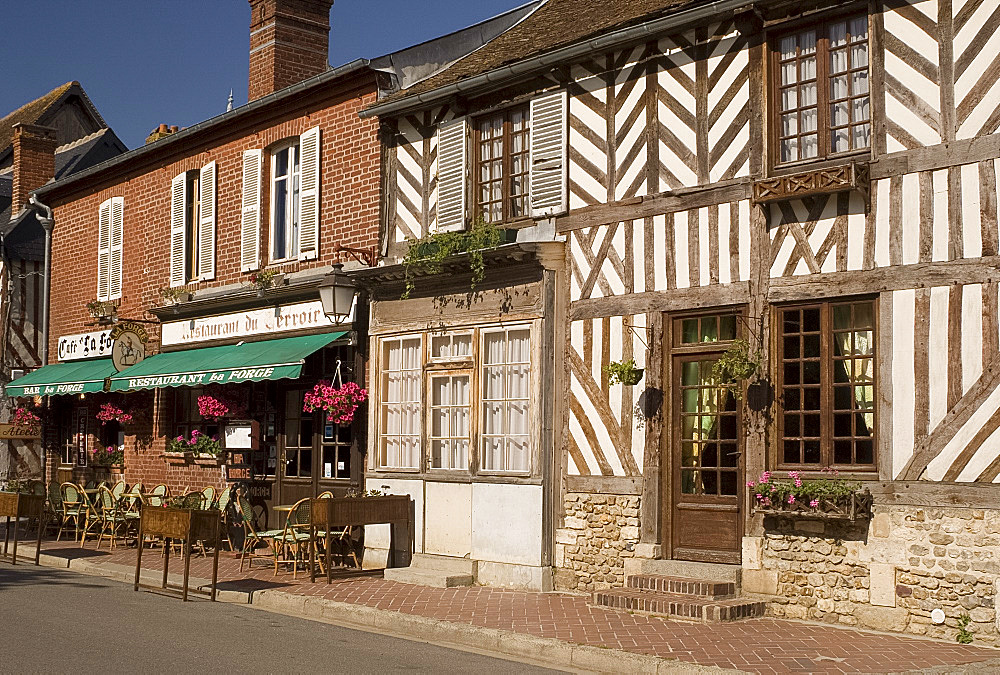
x,y
144,62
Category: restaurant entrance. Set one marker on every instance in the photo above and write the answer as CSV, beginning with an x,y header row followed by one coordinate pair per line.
x,y
313,454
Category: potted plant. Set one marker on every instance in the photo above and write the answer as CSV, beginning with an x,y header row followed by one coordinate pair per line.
x,y
172,296
828,497
262,280
104,311
736,365
339,403
109,412
111,456
198,444
623,372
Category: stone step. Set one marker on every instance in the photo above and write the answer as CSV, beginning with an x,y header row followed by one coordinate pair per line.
x,y
691,608
684,568
714,590
443,563
427,577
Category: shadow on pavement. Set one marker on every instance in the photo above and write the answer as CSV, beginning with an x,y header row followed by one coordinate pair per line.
x,y
25,574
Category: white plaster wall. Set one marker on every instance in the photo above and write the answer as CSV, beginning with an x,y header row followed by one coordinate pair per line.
x,y
448,518
507,523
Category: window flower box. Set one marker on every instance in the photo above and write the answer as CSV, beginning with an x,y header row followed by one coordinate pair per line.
x,y
824,499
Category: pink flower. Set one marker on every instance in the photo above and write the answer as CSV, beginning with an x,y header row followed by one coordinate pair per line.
x,y
791,499
759,496
751,484
765,477
814,503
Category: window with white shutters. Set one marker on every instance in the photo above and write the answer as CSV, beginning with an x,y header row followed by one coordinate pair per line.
x,y
117,235
250,212
205,248
452,137
104,251
192,226
294,232
309,149
548,154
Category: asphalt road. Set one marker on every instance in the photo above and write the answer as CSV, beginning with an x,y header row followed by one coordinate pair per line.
x,y
57,621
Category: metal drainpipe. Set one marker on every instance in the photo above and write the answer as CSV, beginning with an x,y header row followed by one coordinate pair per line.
x,y
47,224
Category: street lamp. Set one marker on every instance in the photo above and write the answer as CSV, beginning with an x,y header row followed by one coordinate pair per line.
x,y
336,293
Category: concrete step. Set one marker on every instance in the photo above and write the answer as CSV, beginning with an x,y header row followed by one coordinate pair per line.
x,y
443,563
684,569
713,590
689,607
427,577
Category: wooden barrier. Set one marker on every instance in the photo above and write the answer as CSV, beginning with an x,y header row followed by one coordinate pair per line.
x,y
189,525
17,506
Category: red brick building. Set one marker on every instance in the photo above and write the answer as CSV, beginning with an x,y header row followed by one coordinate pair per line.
x,y
215,237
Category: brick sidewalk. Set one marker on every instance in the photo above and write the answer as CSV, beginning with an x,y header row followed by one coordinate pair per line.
x,y
758,645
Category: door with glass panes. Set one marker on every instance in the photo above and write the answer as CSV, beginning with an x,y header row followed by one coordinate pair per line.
x,y
314,454
705,517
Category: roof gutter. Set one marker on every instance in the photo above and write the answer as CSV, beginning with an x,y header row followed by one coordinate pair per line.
x,y
158,146
568,53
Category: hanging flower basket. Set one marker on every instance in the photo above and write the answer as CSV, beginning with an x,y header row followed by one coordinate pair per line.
x,y
112,413
340,404
26,422
624,373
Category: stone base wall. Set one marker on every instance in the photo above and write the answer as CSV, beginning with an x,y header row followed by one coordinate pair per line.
x,y
889,574
599,533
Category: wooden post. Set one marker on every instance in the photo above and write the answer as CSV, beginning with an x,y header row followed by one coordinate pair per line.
x,y
166,560
215,561
138,557
187,568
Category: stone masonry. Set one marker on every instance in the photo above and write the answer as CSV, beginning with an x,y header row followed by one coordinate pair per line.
x,y
889,574
599,533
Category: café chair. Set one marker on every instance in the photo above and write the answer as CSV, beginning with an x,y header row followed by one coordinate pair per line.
x,y
293,542
91,515
113,518
252,538
72,506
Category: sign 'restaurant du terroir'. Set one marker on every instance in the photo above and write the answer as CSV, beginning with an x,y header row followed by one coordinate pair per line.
x,y
262,321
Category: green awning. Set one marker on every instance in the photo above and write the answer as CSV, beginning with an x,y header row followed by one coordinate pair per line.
x,y
70,377
246,362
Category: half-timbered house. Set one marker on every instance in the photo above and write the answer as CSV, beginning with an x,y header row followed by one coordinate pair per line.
x,y
811,182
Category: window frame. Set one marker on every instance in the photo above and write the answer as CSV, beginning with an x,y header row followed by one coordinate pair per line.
x,y
192,224
505,164
480,367
292,203
473,367
826,396
824,126
381,404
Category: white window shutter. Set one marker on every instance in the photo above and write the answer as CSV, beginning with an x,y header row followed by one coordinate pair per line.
x,y
250,216
548,154
178,233
206,223
103,250
309,149
117,240
452,141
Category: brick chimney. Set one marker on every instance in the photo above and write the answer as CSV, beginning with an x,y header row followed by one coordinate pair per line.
x,y
289,42
34,161
161,131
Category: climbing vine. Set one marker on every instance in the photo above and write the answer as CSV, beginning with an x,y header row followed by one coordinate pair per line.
x,y
428,253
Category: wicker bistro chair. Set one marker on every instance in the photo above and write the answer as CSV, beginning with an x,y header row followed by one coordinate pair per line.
x,y
72,507
114,518
225,497
293,542
92,521
252,538
208,493
158,496
119,489
53,505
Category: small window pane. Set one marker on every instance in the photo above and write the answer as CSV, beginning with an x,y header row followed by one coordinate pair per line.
x,y
709,329
727,327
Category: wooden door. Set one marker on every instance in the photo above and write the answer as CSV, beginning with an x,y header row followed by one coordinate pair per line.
x,y
296,477
707,474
